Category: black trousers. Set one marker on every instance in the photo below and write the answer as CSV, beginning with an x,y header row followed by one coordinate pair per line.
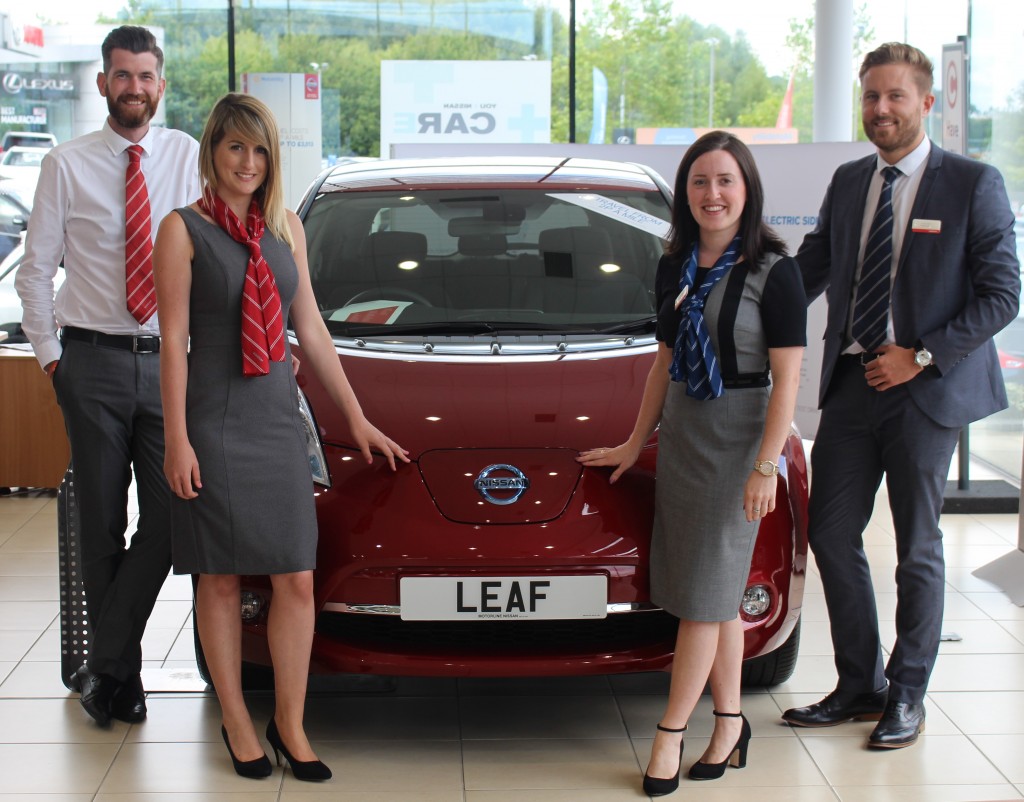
x,y
110,399
865,434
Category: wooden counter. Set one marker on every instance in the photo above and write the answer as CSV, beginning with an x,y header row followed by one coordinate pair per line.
x,y
34,450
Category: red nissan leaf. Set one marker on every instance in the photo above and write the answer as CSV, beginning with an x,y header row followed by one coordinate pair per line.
x,y
495,317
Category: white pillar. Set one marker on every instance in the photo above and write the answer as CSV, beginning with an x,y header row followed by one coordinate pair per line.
x,y
834,73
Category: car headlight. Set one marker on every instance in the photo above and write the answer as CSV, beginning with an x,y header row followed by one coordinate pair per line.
x,y
251,605
757,600
314,451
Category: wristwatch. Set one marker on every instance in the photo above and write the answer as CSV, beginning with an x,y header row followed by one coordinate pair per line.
x,y
766,467
922,357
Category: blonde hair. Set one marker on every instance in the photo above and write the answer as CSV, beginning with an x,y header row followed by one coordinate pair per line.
x,y
251,120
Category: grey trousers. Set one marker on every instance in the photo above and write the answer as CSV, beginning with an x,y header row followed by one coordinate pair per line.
x,y
110,399
865,434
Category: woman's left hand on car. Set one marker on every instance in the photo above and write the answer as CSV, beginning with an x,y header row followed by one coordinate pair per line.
x,y
621,457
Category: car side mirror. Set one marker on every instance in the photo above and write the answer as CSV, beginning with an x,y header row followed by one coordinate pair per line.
x,y
20,222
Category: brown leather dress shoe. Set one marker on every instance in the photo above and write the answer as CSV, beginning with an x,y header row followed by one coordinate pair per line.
x,y
837,708
899,726
129,703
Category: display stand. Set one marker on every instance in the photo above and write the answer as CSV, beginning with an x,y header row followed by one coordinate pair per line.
x,y
1007,572
74,619
965,496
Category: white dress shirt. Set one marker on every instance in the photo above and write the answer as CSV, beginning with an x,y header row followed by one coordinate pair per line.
x,y
78,215
904,192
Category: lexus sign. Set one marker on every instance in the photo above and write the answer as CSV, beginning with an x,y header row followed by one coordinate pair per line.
x,y
38,84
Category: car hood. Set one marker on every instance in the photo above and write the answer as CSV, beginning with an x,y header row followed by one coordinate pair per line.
x,y
427,403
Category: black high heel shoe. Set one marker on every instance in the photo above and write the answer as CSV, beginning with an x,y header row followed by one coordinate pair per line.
x,y
254,769
659,786
309,770
737,755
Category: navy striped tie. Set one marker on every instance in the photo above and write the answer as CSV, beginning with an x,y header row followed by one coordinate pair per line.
x,y
694,360
871,311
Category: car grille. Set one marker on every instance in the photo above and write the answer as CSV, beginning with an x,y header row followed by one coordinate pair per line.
x,y
390,633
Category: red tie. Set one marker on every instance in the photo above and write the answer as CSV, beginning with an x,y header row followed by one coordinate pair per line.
x,y
262,321
138,241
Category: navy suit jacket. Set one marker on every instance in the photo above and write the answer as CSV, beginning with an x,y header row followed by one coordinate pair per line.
x,y
953,290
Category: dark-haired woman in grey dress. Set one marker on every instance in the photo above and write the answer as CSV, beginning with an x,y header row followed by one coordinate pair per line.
x,y
732,326
235,455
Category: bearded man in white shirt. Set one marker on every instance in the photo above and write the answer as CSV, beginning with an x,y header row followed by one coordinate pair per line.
x,y
104,361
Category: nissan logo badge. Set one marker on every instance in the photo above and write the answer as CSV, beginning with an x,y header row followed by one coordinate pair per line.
x,y
516,484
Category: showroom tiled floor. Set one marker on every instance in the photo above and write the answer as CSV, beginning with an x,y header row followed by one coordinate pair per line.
x,y
541,740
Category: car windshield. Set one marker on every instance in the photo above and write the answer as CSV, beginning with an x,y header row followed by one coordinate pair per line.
x,y
24,158
482,260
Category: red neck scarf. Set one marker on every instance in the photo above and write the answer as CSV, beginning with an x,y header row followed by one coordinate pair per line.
x,y
262,321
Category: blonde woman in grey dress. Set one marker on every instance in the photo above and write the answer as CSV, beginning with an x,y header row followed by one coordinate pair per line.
x,y
732,329
235,455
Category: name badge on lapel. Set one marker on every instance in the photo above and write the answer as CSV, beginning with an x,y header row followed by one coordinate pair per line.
x,y
920,226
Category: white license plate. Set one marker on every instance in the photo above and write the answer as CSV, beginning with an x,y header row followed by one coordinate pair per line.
x,y
450,598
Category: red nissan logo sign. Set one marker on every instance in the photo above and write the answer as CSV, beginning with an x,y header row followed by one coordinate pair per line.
x,y
312,86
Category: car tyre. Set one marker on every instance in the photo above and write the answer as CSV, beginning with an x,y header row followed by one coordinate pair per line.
x,y
775,667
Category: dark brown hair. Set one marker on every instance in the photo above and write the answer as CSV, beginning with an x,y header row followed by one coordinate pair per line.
x,y
134,39
758,238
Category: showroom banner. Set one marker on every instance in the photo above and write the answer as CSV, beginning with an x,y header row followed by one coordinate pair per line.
x,y
460,102
294,98
795,178
954,98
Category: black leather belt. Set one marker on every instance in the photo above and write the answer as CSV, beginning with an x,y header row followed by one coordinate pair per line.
x,y
139,345
746,381
861,359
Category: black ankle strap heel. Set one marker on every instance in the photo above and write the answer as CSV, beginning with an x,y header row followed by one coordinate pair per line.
x,y
660,786
737,755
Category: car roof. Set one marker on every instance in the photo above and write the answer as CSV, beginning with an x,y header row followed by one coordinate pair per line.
x,y
36,136
497,171
15,150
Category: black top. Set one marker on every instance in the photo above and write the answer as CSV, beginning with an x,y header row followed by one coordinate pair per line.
x,y
783,304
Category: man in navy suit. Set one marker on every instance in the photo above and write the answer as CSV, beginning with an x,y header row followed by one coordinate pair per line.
x,y
938,234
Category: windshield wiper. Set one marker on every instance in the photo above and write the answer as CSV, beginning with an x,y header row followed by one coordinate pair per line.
x,y
471,327
633,327
438,327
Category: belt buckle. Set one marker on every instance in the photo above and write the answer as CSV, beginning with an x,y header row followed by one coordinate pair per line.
x,y
137,349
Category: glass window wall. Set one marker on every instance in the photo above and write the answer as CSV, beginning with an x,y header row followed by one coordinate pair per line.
x,y
996,135
623,71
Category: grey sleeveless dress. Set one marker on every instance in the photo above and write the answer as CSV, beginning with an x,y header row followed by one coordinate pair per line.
x,y
254,513
702,544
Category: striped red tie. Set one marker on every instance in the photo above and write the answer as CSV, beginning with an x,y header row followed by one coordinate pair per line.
x,y
138,241
262,318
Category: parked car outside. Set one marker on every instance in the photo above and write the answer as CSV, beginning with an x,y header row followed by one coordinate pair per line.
x,y
15,210
496,316
28,139
10,303
22,165
1010,348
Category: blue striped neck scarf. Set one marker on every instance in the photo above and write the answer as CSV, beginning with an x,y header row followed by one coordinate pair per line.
x,y
693,359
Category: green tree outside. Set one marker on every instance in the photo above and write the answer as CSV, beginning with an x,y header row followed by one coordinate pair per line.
x,y
657,65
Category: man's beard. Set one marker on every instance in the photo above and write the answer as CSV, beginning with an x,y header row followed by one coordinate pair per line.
x,y
132,116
